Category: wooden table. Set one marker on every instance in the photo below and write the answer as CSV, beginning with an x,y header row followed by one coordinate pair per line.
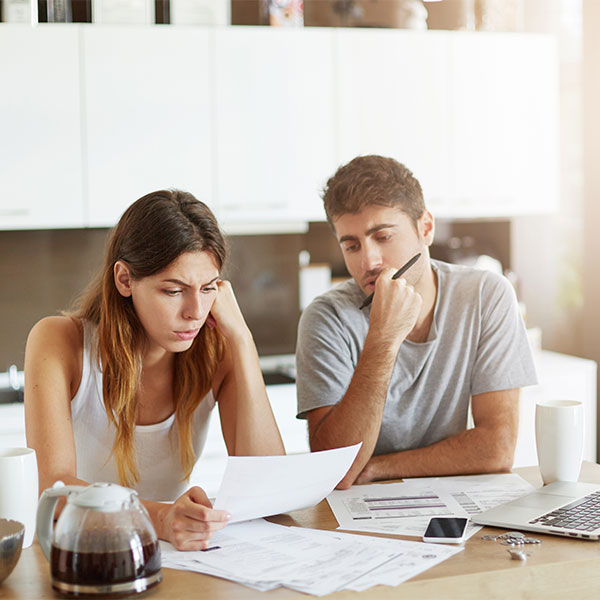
x,y
557,568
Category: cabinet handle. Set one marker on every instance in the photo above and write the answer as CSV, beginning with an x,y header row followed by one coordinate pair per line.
x,y
14,212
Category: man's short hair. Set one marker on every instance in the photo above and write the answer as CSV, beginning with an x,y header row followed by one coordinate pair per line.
x,y
372,179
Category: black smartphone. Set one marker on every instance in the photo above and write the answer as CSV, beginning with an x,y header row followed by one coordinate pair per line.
x,y
450,530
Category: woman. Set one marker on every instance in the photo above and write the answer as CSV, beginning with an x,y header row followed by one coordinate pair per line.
x,y
121,390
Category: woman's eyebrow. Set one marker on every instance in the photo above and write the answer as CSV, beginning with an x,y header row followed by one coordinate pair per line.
x,y
184,284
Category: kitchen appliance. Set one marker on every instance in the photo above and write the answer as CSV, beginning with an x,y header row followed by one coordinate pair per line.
x,y
103,544
12,383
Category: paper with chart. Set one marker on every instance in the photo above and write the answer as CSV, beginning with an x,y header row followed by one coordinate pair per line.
x,y
396,508
405,508
476,493
258,486
265,556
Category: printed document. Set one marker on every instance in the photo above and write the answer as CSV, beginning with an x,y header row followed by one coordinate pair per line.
x,y
265,556
259,486
405,508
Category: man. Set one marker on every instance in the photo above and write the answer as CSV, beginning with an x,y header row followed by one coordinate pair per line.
x,y
399,375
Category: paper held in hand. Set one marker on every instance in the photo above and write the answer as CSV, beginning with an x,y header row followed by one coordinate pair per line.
x,y
259,486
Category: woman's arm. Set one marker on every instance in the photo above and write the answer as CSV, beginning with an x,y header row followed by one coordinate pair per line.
x,y
247,421
53,365
53,358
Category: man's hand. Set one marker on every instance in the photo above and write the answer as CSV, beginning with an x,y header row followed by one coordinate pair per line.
x,y
395,309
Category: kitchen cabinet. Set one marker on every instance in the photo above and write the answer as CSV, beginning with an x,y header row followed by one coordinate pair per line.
x,y
40,128
503,137
275,131
253,120
147,113
12,425
393,100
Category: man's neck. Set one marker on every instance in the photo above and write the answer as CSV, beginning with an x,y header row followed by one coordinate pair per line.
x,y
427,287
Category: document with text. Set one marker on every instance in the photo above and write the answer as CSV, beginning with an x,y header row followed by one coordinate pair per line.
x,y
405,508
259,486
264,556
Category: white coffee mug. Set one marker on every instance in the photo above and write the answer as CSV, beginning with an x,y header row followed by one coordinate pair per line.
x,y
19,488
559,439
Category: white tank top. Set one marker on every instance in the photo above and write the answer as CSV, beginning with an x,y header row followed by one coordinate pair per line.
x,y
157,453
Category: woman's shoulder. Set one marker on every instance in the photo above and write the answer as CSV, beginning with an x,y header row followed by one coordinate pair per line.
x,y
54,350
59,328
58,334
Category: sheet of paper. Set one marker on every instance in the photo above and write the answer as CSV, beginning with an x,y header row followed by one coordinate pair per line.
x,y
259,486
395,508
264,556
476,493
405,508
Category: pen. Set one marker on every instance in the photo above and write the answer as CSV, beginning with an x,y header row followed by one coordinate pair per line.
x,y
397,274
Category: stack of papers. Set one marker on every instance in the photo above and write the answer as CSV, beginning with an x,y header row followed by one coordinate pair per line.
x,y
405,508
265,556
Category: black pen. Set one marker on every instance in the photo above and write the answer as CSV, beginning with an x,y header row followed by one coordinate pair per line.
x,y
397,274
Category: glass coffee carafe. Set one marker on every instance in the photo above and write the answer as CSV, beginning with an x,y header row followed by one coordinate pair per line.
x,y
103,544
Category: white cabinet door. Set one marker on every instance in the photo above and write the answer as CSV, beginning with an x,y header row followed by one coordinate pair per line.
x,y
504,135
148,115
40,145
275,136
392,100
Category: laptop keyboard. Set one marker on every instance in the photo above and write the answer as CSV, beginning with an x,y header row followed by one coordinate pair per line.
x,y
582,515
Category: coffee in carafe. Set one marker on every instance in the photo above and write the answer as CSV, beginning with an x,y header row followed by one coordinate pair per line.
x,y
104,543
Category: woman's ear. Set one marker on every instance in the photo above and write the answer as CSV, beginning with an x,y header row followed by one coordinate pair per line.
x,y
122,277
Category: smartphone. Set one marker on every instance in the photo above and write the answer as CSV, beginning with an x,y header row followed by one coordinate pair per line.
x,y
449,530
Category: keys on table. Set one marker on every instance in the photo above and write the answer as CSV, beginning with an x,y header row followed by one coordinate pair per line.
x,y
514,539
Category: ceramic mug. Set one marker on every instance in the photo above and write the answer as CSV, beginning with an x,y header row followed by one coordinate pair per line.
x,y
19,488
559,439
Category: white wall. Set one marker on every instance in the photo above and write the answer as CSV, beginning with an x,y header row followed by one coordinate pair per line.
x,y
591,161
547,251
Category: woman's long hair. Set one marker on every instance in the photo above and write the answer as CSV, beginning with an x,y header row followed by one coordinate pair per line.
x,y
151,234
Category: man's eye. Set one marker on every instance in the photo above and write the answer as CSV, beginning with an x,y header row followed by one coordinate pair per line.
x,y
207,290
351,248
383,238
172,292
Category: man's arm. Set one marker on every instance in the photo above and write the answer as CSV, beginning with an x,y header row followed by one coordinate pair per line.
x,y
487,448
357,416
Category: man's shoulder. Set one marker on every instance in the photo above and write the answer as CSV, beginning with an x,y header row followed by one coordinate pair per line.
x,y
469,279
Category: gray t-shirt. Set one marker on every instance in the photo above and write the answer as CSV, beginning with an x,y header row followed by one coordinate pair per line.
x,y
477,343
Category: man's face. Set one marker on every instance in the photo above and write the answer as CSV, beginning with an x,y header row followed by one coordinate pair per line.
x,y
380,236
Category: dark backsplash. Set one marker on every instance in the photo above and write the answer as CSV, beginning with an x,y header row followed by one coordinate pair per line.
x,y
42,272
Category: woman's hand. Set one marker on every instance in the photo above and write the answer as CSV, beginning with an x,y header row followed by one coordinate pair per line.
x,y
225,313
190,521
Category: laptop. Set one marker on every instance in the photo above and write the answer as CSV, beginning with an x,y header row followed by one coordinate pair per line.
x,y
560,508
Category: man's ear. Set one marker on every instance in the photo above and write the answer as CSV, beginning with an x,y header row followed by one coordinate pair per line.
x,y
122,276
426,227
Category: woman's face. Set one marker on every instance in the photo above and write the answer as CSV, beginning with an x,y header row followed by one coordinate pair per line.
x,y
173,305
